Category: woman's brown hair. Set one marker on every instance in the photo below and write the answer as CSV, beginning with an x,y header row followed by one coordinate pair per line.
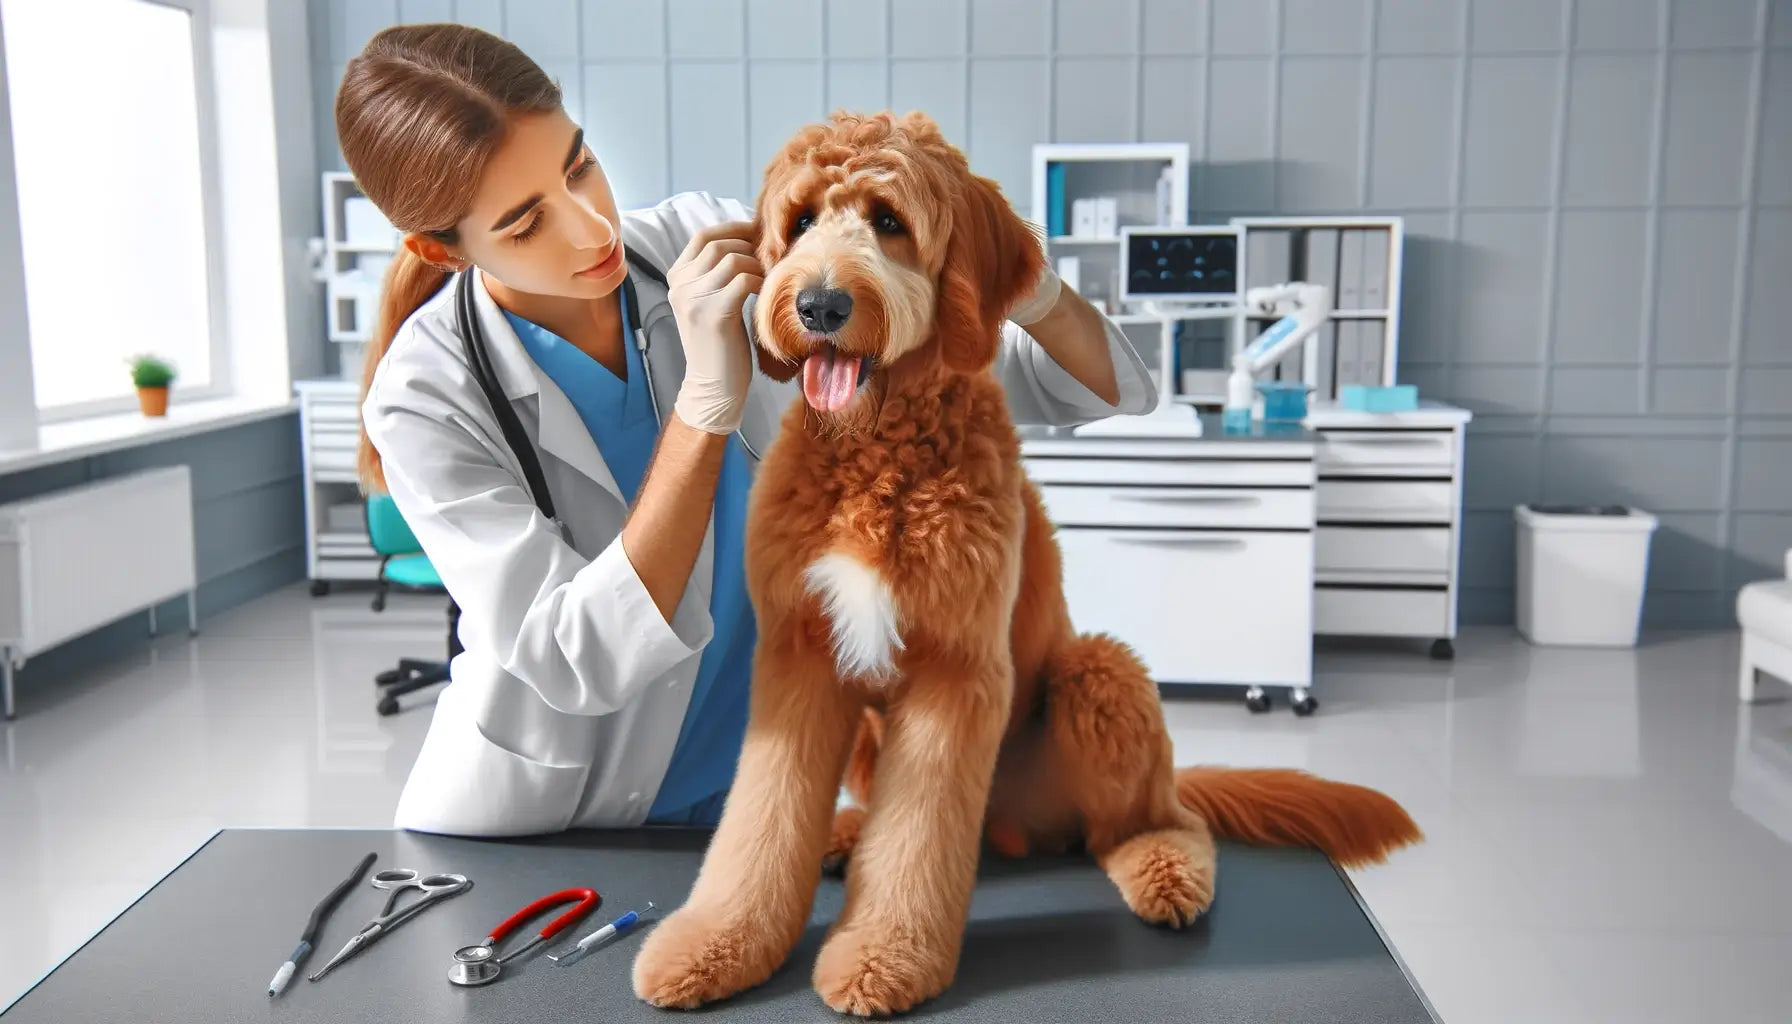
x,y
419,112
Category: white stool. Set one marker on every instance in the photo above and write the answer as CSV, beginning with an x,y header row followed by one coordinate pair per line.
x,y
1764,610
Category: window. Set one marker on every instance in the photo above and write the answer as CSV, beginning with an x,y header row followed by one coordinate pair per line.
x,y
116,195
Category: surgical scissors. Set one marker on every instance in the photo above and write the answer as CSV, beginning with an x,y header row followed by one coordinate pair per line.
x,y
397,881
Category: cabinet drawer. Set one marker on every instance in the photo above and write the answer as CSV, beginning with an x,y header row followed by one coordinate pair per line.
x,y
334,438
332,410
1385,502
1173,472
1363,451
324,459
1198,607
1348,611
1417,550
1244,508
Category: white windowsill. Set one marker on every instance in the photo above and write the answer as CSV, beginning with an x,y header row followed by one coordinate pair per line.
x,y
78,439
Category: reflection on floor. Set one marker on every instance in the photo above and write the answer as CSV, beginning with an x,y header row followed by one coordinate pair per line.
x,y
1610,834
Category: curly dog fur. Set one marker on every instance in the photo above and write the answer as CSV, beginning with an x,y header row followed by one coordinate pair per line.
x,y
913,635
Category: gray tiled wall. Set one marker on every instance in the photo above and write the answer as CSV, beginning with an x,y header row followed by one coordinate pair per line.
x,y
1598,193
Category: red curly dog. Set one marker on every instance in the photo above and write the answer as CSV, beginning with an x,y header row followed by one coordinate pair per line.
x,y
907,587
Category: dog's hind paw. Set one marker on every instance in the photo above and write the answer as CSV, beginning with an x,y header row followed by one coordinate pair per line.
x,y
1165,877
875,972
844,836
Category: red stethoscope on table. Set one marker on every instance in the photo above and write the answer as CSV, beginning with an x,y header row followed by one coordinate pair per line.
x,y
480,964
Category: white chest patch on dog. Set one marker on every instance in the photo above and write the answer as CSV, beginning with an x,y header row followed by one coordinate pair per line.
x,y
862,611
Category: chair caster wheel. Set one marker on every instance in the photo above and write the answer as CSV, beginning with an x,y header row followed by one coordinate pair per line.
x,y
388,677
1443,650
388,706
379,603
1257,700
1303,703
320,587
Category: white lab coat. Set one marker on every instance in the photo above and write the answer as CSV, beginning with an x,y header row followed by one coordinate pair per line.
x,y
565,705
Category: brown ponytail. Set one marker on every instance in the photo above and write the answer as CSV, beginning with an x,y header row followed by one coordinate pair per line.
x,y
419,112
409,283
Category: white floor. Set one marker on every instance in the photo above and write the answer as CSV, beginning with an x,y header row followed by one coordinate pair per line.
x,y
1610,834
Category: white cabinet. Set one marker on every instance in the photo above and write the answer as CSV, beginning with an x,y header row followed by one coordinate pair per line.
x,y
1201,606
1196,552
336,542
1389,523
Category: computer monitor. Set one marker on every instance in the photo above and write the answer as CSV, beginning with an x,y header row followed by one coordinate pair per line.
x,y
1184,265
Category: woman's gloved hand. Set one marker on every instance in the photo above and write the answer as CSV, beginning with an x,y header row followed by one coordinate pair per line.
x,y
709,285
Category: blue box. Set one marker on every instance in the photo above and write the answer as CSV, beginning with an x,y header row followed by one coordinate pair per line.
x,y
1284,401
1363,398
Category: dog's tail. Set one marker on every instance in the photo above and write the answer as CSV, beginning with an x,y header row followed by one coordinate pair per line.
x,y
1352,824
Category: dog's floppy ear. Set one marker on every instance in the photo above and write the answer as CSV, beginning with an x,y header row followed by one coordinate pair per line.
x,y
765,249
993,260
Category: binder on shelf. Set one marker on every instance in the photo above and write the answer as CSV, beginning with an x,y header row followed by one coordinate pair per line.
x,y
1268,257
1349,293
1325,359
1369,350
1321,259
1345,372
1107,217
1055,219
1082,218
1374,285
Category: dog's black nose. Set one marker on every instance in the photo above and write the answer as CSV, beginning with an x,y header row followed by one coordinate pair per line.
x,y
824,309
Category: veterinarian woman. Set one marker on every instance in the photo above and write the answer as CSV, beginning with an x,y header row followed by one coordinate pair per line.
x,y
607,654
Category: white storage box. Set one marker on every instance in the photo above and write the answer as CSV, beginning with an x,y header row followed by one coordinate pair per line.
x,y
1581,574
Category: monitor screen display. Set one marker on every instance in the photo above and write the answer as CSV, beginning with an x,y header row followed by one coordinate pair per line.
x,y
1181,263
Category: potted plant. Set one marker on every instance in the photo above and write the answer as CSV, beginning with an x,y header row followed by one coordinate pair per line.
x,y
152,375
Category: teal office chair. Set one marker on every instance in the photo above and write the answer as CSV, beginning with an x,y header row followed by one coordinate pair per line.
x,y
403,562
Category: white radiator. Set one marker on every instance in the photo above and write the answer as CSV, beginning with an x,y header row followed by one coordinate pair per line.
x,y
76,559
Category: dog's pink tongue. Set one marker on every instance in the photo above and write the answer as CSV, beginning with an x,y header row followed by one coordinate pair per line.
x,y
829,379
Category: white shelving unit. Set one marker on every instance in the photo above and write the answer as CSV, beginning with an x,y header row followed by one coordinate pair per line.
x,y
1148,182
358,245
1361,258
337,547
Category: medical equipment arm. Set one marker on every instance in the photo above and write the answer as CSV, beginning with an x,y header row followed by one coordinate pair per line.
x,y
1303,309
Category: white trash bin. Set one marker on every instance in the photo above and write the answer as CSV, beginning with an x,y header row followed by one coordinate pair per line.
x,y
1581,574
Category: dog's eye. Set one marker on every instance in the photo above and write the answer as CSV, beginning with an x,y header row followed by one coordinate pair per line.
x,y
886,223
803,222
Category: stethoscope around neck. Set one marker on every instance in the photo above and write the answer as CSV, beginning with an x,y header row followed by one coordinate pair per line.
x,y
472,334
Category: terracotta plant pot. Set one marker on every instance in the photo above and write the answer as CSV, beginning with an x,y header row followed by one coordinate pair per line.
x,y
154,401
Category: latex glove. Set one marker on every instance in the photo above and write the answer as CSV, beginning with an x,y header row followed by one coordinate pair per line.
x,y
1033,308
709,286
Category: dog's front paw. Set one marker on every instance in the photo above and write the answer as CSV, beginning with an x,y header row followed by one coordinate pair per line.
x,y
843,837
1161,881
874,972
699,956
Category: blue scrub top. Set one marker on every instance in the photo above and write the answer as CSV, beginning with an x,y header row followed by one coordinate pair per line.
x,y
619,414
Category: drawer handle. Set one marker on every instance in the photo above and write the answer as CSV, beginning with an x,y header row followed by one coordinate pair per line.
x,y
1401,442
1172,498
1216,543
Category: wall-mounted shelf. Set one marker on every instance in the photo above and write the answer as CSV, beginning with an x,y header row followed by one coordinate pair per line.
x,y
1143,183
358,246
